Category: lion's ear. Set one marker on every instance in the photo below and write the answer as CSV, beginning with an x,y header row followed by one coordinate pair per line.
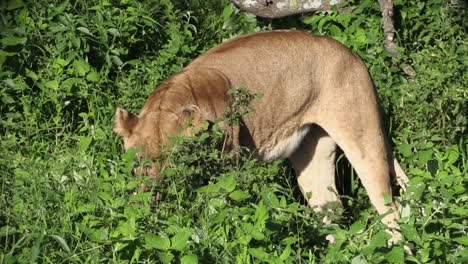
x,y
193,114
124,122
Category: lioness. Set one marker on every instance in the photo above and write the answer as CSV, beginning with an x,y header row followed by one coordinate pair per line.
x,y
317,95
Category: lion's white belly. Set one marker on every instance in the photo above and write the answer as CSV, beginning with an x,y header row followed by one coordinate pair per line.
x,y
285,147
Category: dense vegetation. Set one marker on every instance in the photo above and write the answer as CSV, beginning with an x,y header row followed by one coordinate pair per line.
x,y
66,184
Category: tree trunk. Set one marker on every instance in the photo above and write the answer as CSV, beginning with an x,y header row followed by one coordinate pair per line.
x,y
282,8
386,7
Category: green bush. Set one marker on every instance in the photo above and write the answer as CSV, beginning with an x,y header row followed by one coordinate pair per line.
x,y
67,187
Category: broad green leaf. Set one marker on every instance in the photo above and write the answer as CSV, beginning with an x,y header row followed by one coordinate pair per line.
x,y
32,75
379,240
104,196
81,67
405,150
93,77
210,188
129,155
259,253
270,198
189,259
411,233
166,257
357,227
84,143
14,4
141,197
114,32
116,60
396,255
128,228
424,156
462,240
252,231
153,241
7,231
70,82
180,240
239,195
52,84
359,260
227,182
12,41
62,62
452,156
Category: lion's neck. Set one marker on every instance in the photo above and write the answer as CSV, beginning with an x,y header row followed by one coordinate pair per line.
x,y
205,88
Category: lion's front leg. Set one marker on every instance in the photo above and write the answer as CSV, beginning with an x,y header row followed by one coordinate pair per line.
x,y
314,162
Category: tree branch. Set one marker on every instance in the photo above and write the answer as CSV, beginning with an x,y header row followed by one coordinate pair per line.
x,y
282,8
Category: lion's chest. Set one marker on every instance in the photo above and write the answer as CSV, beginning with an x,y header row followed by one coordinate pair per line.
x,y
284,147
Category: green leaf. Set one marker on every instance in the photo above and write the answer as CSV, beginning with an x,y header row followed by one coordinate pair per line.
x,y
128,228
228,183
116,60
114,32
261,214
36,249
424,156
12,41
405,150
14,4
452,156
81,67
104,196
7,231
189,259
70,82
153,241
93,77
357,227
62,243
462,240
286,253
239,195
84,31
259,253
379,240
396,255
411,233
32,75
52,84
210,188
141,197
84,143
359,260
252,231
166,257
180,240
4,55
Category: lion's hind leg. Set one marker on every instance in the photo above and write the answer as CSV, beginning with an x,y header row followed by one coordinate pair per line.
x,y
363,142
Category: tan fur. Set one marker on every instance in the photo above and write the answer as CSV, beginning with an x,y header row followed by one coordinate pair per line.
x,y
316,95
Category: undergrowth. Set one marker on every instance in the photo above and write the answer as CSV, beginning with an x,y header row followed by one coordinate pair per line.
x,y
67,186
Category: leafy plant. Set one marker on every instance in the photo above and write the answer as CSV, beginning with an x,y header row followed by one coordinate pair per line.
x,y
67,191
